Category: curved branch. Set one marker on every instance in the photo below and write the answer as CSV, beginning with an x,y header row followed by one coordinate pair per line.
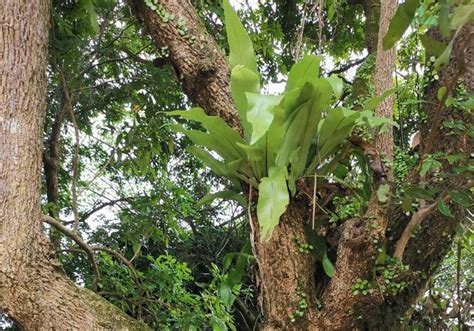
x,y
347,66
94,210
78,240
121,257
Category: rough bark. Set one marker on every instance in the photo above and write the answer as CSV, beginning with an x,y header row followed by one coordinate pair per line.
x,y
33,290
384,69
361,238
286,273
201,67
371,31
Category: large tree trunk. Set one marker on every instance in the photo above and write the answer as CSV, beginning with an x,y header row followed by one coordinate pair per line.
x,y
286,271
33,291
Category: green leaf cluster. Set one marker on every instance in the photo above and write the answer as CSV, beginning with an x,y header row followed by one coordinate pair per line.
x,y
286,136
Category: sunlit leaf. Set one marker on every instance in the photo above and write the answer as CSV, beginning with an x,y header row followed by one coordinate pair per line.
x,y
304,71
337,85
429,164
260,113
219,168
461,15
226,195
214,124
400,22
374,102
241,48
432,46
272,201
242,81
443,59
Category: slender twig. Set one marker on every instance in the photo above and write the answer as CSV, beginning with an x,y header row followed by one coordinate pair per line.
x,y
75,159
252,225
137,252
80,242
248,315
315,184
416,219
121,257
87,214
458,281
433,133
347,66
75,171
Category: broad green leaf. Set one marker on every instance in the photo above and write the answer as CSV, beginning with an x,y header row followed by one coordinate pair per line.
x,y
459,230
226,195
241,49
225,294
453,158
293,137
243,80
260,113
318,102
420,193
214,124
327,266
243,257
295,98
337,125
400,22
217,324
275,137
443,17
252,152
272,201
461,197
443,59
255,157
297,111
304,71
374,102
432,46
337,85
383,193
367,117
441,92
444,209
429,164
212,142
462,15
219,168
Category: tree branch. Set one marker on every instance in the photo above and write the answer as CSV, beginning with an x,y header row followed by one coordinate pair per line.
x,y
78,240
89,213
75,160
202,68
347,66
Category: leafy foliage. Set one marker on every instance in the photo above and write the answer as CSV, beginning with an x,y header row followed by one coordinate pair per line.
x,y
287,136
